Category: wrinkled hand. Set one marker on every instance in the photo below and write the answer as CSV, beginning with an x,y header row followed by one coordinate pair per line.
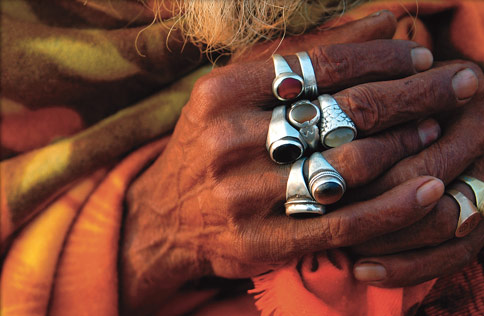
x,y
396,259
212,203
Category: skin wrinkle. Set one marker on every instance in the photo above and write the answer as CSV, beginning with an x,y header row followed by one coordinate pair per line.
x,y
423,271
247,237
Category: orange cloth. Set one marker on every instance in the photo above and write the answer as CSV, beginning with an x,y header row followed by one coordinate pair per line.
x,y
65,261
323,284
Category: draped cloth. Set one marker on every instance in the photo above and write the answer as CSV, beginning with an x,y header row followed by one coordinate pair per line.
x,y
90,93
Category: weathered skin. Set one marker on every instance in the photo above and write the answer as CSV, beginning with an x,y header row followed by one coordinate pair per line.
x,y
212,204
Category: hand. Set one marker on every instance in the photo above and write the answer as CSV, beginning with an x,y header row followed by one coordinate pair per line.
x,y
399,254
379,25
212,203
430,243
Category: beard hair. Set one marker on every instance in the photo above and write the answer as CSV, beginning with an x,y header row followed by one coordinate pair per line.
x,y
235,25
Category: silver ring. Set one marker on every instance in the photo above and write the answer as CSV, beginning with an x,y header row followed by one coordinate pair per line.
x,y
477,187
305,115
298,199
287,85
311,135
336,127
310,83
469,216
284,143
326,184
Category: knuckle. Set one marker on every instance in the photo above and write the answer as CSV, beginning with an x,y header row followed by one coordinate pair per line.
x,y
225,196
335,67
396,144
361,105
339,232
351,156
438,165
404,141
259,246
208,95
232,195
213,143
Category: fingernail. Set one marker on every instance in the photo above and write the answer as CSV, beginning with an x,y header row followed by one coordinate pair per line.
x,y
465,84
430,192
422,58
428,131
369,272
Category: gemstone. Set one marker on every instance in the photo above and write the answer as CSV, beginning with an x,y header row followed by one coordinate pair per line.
x,y
289,88
303,113
286,153
339,137
327,191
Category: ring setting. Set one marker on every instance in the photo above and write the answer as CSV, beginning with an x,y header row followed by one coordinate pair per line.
x,y
287,85
326,184
336,127
298,199
284,143
305,115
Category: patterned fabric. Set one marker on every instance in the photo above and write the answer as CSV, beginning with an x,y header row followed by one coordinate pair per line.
x,y
77,79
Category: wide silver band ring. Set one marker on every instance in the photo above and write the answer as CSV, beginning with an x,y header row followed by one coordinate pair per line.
x,y
298,199
469,216
287,85
284,143
305,116
327,186
310,83
336,127
477,186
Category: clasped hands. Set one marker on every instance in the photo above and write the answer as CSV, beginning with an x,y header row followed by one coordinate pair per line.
x,y
212,203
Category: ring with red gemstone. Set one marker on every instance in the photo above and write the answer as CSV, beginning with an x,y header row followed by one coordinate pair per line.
x,y
287,85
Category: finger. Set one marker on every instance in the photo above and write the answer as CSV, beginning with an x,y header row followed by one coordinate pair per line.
x,y
379,105
460,145
280,237
369,156
414,267
378,25
438,226
363,160
336,67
